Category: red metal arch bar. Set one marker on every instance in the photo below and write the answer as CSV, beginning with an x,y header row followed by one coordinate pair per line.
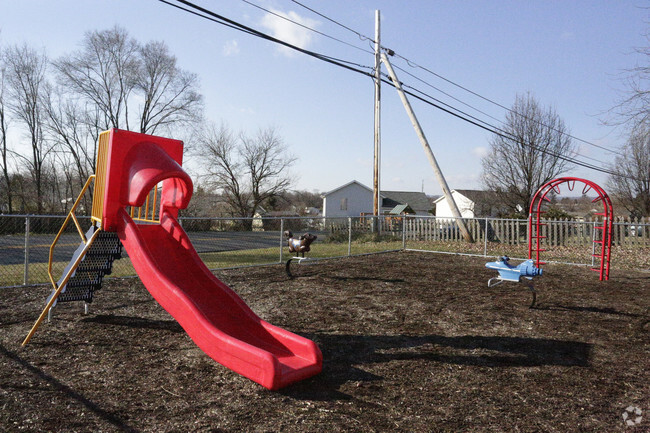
x,y
535,212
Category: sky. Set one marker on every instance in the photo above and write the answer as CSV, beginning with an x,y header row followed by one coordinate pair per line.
x,y
570,55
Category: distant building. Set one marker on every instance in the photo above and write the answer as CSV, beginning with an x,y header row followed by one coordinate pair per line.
x,y
471,204
355,199
351,199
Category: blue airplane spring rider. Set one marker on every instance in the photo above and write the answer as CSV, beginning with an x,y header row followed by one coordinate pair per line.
x,y
507,272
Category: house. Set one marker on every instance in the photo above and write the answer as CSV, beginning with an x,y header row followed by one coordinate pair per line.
x,y
351,199
354,199
471,204
418,202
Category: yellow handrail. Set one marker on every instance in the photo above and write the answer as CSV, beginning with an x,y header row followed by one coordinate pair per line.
x,y
65,224
88,242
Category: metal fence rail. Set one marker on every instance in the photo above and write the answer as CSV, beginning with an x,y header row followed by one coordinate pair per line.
x,y
233,242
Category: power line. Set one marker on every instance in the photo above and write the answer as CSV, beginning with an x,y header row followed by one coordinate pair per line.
x,y
415,65
306,27
361,36
489,125
494,129
219,19
203,16
507,136
447,94
488,115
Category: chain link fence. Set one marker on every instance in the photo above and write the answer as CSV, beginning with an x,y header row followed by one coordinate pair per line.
x,y
235,242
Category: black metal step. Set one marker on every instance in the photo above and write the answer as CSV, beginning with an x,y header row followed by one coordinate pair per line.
x,y
88,278
73,294
107,243
97,263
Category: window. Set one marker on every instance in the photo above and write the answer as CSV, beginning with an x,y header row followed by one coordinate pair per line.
x,y
344,204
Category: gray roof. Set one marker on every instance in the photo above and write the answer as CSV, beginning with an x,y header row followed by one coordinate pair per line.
x,y
418,201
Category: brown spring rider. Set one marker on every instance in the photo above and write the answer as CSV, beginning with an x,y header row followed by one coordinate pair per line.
x,y
298,246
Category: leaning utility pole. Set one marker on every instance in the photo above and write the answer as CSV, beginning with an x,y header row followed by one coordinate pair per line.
x,y
377,160
427,149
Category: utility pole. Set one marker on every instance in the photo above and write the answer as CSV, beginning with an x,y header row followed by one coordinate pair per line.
x,y
377,160
427,149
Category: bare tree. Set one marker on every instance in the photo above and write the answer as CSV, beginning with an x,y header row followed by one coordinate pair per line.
x,y
4,149
529,153
64,123
103,72
72,140
26,77
113,73
631,185
633,107
631,182
170,94
224,170
66,186
247,171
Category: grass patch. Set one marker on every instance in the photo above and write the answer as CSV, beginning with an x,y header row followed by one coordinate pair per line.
x,y
622,257
12,275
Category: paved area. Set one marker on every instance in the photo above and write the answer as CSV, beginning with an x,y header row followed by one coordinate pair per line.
x,y
13,247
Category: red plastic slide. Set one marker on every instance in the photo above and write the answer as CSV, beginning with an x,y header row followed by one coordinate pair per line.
x,y
214,316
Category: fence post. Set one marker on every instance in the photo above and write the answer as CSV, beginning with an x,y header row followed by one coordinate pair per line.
x,y
485,236
593,244
26,271
350,236
404,219
281,238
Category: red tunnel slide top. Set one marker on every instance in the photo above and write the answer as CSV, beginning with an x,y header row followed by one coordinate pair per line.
x,y
211,313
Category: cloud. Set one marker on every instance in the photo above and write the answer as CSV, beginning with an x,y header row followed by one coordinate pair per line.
x,y
480,151
287,31
231,48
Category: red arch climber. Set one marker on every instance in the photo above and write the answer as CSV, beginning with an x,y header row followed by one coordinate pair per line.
x,y
603,236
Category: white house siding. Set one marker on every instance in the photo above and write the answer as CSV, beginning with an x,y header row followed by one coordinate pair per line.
x,y
465,206
359,200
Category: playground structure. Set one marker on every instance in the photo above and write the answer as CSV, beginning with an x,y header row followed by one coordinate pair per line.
x,y
525,272
299,246
128,202
602,233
